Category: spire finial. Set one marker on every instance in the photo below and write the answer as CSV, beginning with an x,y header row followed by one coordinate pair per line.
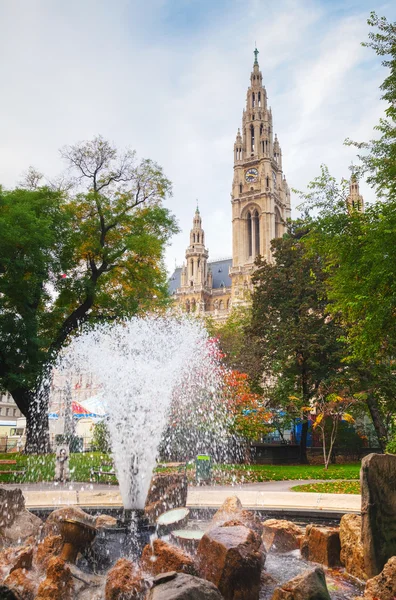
x,y
197,209
255,56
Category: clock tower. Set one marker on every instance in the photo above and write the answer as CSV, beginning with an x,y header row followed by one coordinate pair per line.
x,y
260,196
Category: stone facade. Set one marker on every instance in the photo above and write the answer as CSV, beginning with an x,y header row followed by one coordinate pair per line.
x,y
260,200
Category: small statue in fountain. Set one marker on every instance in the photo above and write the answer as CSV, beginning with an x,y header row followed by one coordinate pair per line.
x,y
62,470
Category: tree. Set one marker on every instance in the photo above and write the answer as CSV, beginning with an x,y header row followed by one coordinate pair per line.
x,y
378,159
230,336
297,344
358,256
74,257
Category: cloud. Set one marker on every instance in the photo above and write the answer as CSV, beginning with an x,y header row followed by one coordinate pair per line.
x,y
169,78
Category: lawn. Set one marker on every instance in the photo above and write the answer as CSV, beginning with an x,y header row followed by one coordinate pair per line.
x,y
330,487
42,468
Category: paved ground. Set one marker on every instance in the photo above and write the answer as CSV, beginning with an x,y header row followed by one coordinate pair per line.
x,y
271,495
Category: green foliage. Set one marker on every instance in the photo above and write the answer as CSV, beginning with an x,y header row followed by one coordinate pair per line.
x,y
101,438
230,336
88,253
378,159
391,445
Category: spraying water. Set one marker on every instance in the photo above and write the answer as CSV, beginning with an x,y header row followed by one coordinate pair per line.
x,y
143,365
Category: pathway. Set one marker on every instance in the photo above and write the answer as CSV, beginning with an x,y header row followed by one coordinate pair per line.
x,y
271,495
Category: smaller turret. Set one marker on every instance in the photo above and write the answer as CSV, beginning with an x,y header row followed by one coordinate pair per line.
x,y
354,200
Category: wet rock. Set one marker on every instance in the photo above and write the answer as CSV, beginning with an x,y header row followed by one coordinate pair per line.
x,y
230,509
164,577
162,558
383,586
280,535
23,559
184,587
85,581
351,546
232,559
167,491
24,526
12,502
22,583
310,585
105,521
322,545
52,524
58,584
187,539
378,487
124,582
50,546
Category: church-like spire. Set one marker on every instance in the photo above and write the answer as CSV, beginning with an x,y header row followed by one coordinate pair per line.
x,y
255,57
195,271
354,200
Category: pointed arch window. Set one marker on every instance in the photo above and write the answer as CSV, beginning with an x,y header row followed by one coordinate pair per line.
x,y
240,188
252,137
278,223
249,234
261,129
259,98
256,221
253,99
194,238
197,238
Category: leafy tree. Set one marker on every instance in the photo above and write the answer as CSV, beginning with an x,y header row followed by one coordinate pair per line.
x,y
296,342
230,336
70,256
101,441
378,159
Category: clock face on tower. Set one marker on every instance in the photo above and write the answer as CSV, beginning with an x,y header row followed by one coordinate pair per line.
x,y
251,175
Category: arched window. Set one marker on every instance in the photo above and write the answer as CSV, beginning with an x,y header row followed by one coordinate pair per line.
x,y
259,98
278,223
228,303
197,238
249,233
252,137
261,129
253,100
192,267
256,221
221,305
194,238
240,188
267,182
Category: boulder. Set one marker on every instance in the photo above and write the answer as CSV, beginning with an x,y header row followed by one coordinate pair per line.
x,y
230,508
183,587
24,526
50,546
310,585
322,545
58,584
281,536
383,586
52,524
351,546
378,488
23,559
124,581
12,502
167,491
22,583
161,557
105,521
232,559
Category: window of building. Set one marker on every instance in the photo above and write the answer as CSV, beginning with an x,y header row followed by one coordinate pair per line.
x,y
256,221
240,188
253,99
249,233
259,98
252,137
7,412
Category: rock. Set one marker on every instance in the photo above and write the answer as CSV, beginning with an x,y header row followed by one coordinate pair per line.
x,y
171,519
378,487
105,521
184,587
281,536
383,586
230,508
164,577
124,582
58,584
251,521
12,502
23,559
52,524
22,583
351,546
187,539
310,585
50,546
232,559
322,545
162,558
24,525
167,491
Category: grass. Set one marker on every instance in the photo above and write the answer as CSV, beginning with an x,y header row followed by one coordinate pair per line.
x,y
82,466
330,487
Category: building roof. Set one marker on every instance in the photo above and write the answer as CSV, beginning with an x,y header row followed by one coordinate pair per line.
x,y
219,268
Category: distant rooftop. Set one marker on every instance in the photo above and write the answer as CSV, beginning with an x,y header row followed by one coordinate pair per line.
x,y
219,268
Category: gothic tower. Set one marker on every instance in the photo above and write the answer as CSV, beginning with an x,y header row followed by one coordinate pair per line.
x,y
260,196
355,199
195,271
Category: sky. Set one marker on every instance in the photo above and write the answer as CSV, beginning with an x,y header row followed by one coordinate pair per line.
x,y
168,78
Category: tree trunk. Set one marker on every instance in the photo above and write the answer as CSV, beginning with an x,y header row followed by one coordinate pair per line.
x,y
303,441
34,406
379,425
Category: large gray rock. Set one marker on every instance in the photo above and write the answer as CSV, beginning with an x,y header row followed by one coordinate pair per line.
x,y
378,485
183,587
310,585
